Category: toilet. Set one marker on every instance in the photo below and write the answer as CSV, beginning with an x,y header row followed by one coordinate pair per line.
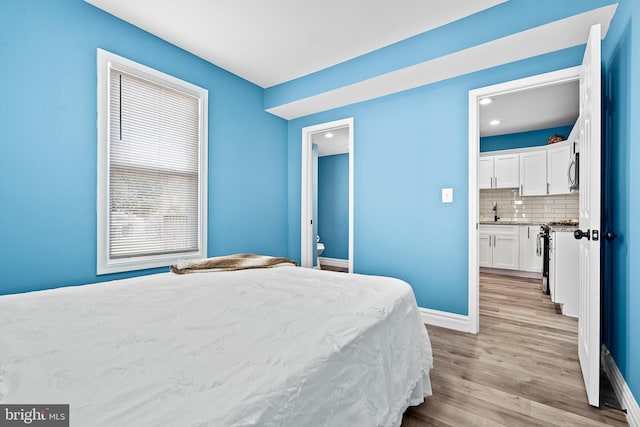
x,y
319,249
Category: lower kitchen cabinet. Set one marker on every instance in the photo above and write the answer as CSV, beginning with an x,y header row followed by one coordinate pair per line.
x,y
531,249
499,246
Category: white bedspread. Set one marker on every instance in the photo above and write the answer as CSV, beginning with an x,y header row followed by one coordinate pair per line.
x,y
272,347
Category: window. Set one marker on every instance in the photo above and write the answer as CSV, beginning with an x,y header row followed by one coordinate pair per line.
x,y
152,169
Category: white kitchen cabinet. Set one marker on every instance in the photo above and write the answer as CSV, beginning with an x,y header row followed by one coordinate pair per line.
x,y
563,271
499,171
530,251
533,173
558,159
505,170
498,246
485,257
485,172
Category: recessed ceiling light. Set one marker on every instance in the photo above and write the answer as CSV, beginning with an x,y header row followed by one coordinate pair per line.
x,y
328,135
486,101
494,122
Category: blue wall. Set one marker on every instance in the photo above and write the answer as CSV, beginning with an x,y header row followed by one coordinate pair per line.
x,y
48,161
621,275
534,138
408,146
333,209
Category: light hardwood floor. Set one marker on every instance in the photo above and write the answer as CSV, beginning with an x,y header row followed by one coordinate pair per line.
x,y
522,368
332,268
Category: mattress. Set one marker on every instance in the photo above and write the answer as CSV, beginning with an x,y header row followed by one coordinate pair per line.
x,y
282,346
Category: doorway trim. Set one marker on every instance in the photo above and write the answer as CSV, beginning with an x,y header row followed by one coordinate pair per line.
x,y
306,199
540,80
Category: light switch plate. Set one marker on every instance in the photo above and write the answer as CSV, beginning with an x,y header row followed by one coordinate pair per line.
x,y
447,195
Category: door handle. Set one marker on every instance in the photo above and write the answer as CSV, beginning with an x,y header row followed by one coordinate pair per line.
x,y
569,177
579,234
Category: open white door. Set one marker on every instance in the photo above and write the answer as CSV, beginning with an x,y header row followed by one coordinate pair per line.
x,y
589,233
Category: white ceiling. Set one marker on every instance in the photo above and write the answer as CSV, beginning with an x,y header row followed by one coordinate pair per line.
x,y
551,37
532,109
271,42
337,144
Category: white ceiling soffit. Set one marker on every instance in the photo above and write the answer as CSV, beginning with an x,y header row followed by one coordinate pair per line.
x,y
532,109
271,42
337,144
558,35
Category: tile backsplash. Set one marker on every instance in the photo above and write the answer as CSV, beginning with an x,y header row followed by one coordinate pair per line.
x,y
534,209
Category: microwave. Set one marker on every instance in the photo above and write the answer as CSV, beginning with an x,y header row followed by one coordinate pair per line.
x,y
574,169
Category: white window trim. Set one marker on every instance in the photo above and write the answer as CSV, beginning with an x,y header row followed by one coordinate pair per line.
x,y
105,61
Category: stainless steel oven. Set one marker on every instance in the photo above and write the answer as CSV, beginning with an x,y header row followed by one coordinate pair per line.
x,y
543,244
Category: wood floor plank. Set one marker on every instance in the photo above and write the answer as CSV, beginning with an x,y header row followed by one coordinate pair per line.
x,y
522,369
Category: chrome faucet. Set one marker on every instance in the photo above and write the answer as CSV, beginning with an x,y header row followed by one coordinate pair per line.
x,y
495,212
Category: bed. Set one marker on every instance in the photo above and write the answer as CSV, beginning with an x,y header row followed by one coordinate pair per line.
x,y
284,346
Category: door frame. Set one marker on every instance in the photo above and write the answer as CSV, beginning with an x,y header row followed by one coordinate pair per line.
x,y
306,199
540,80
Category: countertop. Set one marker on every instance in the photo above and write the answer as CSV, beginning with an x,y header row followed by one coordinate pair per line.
x,y
559,228
564,228
511,223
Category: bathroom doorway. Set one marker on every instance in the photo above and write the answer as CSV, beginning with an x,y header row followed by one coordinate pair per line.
x,y
327,149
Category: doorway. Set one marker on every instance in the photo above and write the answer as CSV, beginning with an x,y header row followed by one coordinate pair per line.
x,y
521,85
312,137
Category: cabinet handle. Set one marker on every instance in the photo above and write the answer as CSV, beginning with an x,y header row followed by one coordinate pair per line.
x,y
547,188
528,231
521,189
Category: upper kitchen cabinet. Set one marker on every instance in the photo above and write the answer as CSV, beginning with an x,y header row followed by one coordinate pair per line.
x,y
533,173
537,171
558,159
485,172
498,171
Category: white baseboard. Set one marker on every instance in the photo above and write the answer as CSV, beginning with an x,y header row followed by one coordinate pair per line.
x,y
621,388
334,262
457,322
517,273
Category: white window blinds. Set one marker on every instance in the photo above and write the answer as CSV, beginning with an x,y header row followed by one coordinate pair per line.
x,y
152,167
154,195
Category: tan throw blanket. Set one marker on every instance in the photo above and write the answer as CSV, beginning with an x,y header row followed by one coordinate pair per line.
x,y
230,263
